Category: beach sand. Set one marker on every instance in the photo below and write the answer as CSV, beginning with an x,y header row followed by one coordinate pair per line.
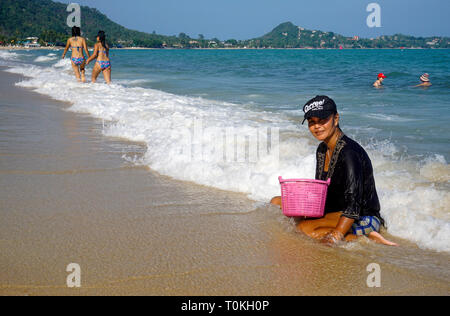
x,y
68,196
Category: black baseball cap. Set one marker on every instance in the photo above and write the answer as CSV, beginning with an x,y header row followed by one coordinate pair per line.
x,y
321,106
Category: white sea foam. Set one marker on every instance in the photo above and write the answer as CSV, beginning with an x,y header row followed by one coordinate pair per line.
x,y
436,169
133,82
8,55
47,58
413,195
7,58
389,117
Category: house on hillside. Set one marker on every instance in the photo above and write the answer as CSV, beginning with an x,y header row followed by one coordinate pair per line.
x,y
433,42
31,42
194,44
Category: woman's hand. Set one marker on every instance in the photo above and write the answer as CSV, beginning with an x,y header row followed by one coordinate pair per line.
x,y
338,234
332,238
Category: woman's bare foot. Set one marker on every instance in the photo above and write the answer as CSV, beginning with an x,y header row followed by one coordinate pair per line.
x,y
380,239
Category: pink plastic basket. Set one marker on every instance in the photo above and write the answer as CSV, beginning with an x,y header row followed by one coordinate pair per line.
x,y
303,197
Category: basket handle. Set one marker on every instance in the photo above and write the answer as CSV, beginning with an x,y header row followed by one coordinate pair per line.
x,y
280,178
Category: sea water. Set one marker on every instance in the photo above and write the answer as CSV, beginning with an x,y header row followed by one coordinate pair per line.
x,y
159,96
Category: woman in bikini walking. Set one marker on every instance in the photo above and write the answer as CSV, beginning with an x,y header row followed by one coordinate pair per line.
x,y
103,64
79,47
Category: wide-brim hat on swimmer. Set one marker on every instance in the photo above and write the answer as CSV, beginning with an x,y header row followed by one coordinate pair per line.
x,y
321,106
425,78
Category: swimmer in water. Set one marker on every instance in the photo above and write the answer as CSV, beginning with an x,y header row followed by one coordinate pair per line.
x,y
79,47
379,82
425,79
103,64
352,207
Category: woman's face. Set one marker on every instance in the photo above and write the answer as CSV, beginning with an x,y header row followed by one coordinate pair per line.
x,y
98,39
323,129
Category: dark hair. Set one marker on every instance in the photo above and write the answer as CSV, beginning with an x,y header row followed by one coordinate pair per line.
x,y
336,112
102,37
76,31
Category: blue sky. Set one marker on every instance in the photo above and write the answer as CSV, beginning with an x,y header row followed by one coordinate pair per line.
x,y
245,19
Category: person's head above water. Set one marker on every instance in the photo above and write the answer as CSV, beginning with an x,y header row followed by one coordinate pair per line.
x,y
76,31
323,118
381,76
425,78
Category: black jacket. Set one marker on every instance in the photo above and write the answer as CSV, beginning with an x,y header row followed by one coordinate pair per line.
x,y
352,190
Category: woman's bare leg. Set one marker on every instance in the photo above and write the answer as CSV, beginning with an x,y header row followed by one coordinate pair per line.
x,y
76,70
351,237
318,228
83,71
315,228
380,239
276,201
107,75
95,72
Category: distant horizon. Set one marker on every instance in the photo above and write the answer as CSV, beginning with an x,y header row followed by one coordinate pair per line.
x,y
202,17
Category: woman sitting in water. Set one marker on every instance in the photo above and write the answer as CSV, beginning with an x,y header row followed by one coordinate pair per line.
x,y
352,207
78,45
103,64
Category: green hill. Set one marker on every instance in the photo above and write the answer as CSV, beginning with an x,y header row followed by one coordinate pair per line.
x,y
288,35
47,20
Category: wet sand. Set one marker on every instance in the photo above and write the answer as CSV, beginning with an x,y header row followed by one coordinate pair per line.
x,y
67,195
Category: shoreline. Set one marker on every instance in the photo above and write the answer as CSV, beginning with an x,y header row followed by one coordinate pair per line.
x,y
68,196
